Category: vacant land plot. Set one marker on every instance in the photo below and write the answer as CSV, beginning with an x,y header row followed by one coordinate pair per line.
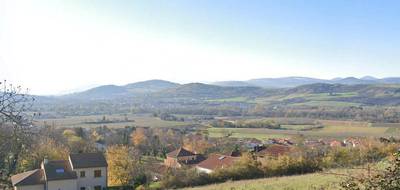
x,y
301,182
113,121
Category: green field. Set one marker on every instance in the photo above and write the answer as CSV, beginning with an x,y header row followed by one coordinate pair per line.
x,y
334,129
292,130
301,182
320,99
326,180
327,103
297,127
309,128
133,120
262,134
235,99
391,125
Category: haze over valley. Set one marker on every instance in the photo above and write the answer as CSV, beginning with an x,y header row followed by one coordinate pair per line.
x,y
199,95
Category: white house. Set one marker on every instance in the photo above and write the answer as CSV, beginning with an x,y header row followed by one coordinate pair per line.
x,y
87,171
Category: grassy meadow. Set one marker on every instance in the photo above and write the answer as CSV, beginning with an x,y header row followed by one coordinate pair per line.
x,y
319,99
292,126
301,182
330,129
117,121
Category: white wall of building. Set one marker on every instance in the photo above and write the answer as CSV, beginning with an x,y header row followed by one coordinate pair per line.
x,y
205,170
89,181
30,187
62,185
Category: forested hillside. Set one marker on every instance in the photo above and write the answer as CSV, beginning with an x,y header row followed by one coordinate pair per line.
x,y
371,102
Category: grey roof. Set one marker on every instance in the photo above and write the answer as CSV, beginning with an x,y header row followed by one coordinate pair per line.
x,y
33,177
88,160
59,170
179,153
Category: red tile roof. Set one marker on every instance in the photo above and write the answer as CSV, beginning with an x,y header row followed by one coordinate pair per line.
x,y
217,161
275,150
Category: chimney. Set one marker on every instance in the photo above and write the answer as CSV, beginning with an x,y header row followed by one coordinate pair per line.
x,y
45,161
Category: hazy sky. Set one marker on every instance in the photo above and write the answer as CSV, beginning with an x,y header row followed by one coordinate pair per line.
x,y
55,45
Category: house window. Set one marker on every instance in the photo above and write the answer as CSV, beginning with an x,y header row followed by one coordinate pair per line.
x,y
97,173
82,174
83,188
98,187
60,170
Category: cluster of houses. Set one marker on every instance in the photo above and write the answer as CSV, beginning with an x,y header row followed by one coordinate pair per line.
x,y
272,148
348,142
184,158
86,171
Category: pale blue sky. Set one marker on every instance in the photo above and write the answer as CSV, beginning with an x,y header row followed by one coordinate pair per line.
x,y
51,46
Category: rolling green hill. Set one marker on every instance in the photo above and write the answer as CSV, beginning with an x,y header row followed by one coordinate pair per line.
x,y
150,86
319,94
204,91
320,100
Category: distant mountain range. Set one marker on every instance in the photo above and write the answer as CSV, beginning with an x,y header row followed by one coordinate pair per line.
x,y
223,89
290,82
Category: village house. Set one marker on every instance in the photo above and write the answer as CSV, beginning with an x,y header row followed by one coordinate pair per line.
x,y
351,142
86,171
281,141
336,143
182,157
314,143
273,150
216,161
253,143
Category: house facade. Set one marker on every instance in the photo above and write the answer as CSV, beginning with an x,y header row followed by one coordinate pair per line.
x,y
182,157
87,171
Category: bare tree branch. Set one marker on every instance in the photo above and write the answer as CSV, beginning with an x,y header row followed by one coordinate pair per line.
x,y
15,126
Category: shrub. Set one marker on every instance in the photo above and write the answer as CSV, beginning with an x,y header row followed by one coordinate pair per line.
x,y
389,179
